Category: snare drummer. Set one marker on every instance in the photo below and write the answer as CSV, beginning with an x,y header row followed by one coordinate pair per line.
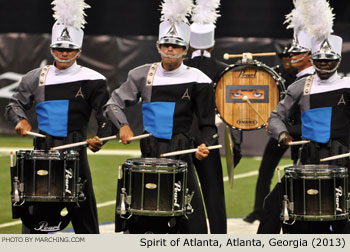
x,y
324,102
171,94
63,100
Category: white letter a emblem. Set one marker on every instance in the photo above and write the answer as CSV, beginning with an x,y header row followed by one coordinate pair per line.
x,y
79,93
186,95
341,101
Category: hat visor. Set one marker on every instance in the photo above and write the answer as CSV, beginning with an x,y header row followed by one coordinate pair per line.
x,y
67,45
173,40
325,56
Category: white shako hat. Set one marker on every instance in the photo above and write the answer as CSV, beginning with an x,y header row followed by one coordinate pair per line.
x,y
301,43
174,28
324,45
67,31
297,20
203,24
329,48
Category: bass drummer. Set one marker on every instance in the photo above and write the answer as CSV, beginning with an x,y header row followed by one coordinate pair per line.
x,y
299,57
64,94
210,170
171,93
324,102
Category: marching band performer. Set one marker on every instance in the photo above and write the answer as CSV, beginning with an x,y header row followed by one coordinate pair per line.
x,y
171,93
323,102
64,95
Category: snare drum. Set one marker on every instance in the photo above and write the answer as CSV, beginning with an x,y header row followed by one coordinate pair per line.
x,y
46,176
317,192
262,86
154,187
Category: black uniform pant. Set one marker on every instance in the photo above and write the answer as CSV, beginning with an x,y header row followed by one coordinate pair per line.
x,y
84,218
271,157
209,172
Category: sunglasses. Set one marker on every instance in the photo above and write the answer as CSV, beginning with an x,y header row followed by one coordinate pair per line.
x,y
172,45
68,50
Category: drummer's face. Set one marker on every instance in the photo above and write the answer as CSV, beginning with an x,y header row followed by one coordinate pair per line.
x,y
300,61
172,50
329,65
255,94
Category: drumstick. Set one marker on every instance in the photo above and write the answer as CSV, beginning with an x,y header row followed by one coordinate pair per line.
x,y
66,146
138,137
279,175
175,153
245,98
35,134
335,157
299,142
228,56
11,159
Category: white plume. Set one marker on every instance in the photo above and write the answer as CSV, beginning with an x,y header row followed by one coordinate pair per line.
x,y
313,16
296,18
70,12
205,11
319,22
176,10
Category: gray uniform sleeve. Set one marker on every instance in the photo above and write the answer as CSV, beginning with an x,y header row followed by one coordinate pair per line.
x,y
23,99
127,94
278,118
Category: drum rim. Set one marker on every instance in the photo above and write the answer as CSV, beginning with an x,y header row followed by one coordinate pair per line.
x,y
47,154
152,161
279,80
312,168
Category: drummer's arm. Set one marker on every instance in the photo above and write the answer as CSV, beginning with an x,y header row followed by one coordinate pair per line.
x,y
126,95
277,122
21,101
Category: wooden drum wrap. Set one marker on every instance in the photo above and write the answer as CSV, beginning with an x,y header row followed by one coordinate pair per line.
x,y
255,81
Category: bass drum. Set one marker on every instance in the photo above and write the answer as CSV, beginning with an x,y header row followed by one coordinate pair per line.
x,y
255,81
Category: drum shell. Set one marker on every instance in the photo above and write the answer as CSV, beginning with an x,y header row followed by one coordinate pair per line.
x,y
155,187
236,112
47,176
317,192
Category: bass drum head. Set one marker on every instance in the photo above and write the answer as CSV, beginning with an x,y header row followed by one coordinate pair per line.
x,y
45,217
259,83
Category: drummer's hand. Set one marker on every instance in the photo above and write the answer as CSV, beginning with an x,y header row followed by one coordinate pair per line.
x,y
284,138
125,133
202,152
22,127
94,144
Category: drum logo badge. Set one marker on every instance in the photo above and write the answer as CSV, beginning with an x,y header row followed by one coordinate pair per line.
x,y
312,191
68,176
338,194
44,227
177,189
42,172
151,186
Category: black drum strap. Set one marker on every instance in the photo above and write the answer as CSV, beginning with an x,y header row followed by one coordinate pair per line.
x,y
51,141
153,147
313,152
